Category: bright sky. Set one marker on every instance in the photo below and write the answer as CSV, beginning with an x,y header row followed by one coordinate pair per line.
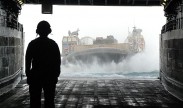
x,y
95,21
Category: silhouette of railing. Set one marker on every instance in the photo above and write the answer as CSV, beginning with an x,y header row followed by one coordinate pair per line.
x,y
173,25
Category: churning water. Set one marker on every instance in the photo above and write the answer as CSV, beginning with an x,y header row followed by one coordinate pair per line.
x,y
142,65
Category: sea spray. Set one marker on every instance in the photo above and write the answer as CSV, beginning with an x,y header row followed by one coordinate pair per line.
x,y
141,65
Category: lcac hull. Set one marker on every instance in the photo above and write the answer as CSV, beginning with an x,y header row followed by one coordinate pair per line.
x,y
100,55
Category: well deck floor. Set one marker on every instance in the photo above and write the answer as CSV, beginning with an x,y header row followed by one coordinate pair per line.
x,y
98,93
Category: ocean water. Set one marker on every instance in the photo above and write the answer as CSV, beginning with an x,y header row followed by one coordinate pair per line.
x,y
139,66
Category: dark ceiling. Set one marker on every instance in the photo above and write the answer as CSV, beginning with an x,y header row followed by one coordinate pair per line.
x,y
98,2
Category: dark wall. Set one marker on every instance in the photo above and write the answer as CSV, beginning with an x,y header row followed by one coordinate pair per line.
x,y
171,61
11,54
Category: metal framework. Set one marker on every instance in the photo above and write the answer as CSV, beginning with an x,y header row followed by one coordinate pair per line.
x,y
98,2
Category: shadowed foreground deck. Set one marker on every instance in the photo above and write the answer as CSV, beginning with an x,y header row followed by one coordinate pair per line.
x,y
98,93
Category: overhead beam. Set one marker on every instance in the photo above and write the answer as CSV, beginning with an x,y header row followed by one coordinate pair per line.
x,y
100,2
47,7
133,2
147,2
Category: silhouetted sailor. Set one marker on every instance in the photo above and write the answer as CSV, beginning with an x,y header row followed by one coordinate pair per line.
x,y
42,67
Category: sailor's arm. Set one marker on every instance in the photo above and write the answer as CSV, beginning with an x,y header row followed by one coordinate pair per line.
x,y
28,59
58,62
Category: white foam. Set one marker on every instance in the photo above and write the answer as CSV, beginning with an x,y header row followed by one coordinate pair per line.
x,y
142,62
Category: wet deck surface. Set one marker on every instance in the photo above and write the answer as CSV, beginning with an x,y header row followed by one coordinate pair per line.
x,y
105,93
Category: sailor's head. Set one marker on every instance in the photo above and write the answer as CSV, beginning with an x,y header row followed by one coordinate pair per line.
x,y
43,29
